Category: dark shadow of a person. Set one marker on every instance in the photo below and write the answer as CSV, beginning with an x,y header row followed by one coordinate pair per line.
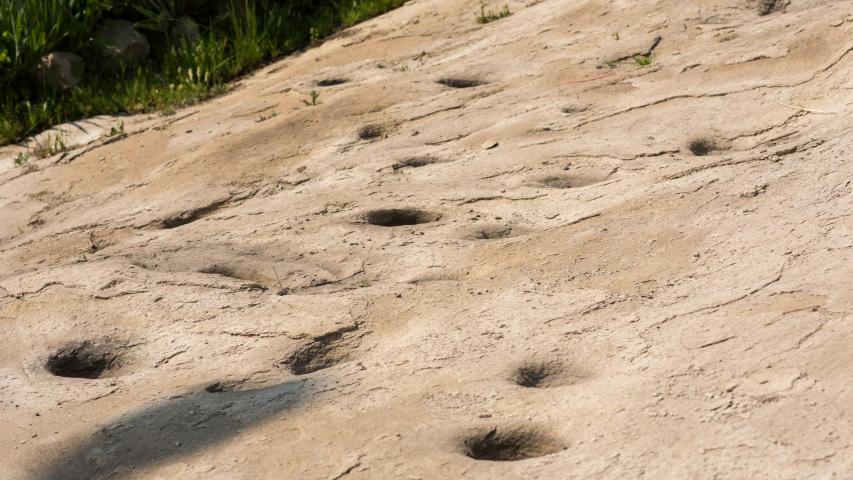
x,y
170,429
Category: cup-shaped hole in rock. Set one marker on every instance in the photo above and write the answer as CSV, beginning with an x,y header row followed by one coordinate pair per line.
x,y
415,162
331,82
509,444
186,217
456,82
571,180
86,359
226,386
702,146
323,352
371,132
573,109
766,7
219,269
548,374
398,217
492,232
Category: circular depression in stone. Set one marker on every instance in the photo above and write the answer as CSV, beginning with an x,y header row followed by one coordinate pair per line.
x,y
331,82
547,374
568,180
398,217
509,444
459,82
702,146
87,359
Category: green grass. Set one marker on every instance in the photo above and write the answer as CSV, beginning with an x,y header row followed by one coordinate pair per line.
x,y
313,101
50,146
21,159
490,16
236,36
643,60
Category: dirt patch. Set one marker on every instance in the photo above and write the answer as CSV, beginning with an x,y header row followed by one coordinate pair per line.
x,y
323,352
86,359
454,82
331,82
398,217
545,375
509,444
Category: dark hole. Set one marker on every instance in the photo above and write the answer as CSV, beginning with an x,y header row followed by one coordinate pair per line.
x,y
460,82
766,7
179,220
220,387
370,132
190,216
531,376
321,352
702,146
215,388
537,375
397,217
217,269
311,357
547,374
509,445
83,360
415,162
331,82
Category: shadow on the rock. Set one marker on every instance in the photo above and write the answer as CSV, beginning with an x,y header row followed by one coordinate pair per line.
x,y
171,429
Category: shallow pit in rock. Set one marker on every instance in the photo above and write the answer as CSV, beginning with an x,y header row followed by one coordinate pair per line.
x,y
254,280
331,82
573,109
456,82
702,146
371,132
509,444
219,269
415,162
766,7
569,180
226,386
86,359
550,374
322,352
492,232
398,217
189,216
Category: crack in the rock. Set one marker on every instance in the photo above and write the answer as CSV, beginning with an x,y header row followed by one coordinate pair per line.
x,y
21,295
714,94
719,304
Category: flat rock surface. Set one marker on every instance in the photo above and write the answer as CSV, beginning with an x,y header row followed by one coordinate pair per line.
x,y
489,251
